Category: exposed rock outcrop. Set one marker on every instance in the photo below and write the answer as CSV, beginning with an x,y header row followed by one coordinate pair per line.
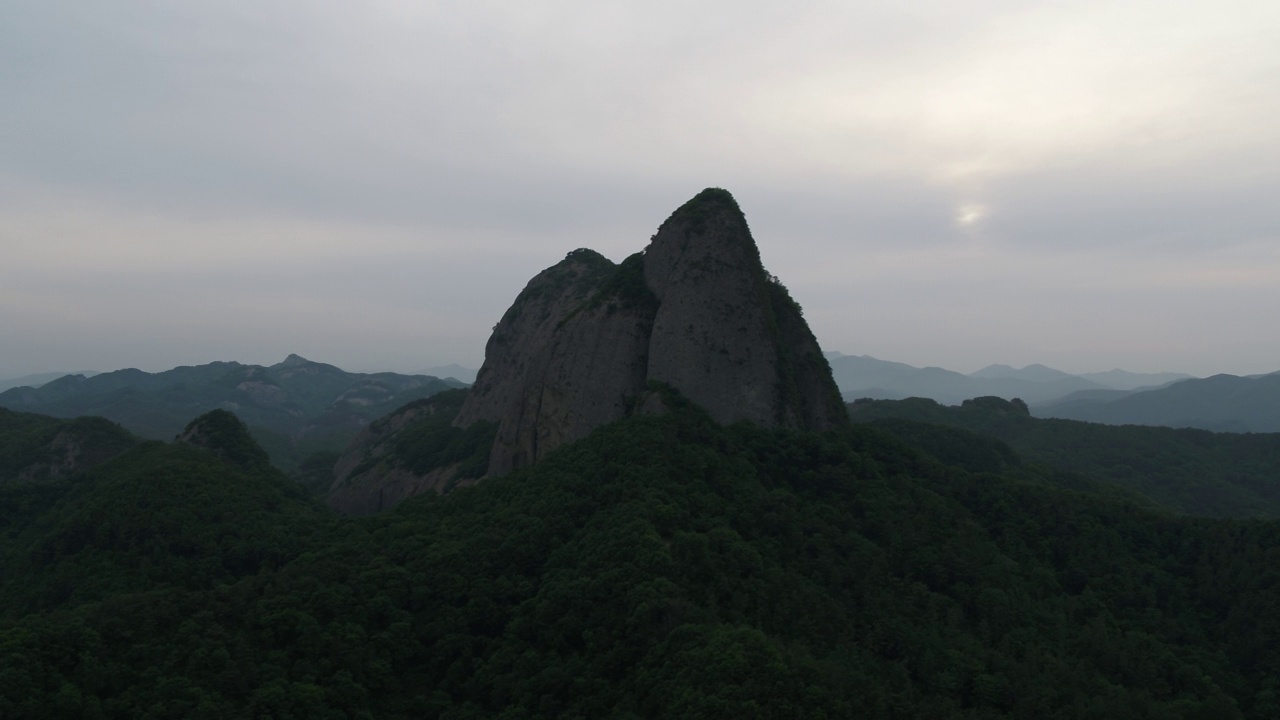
x,y
695,310
413,450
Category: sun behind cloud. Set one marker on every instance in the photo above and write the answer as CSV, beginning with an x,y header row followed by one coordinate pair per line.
x,y
969,214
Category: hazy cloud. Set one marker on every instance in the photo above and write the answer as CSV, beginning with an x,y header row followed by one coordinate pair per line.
x,y
1086,184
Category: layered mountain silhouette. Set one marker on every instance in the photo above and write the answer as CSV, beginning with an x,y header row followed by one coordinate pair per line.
x,y
588,342
1224,403
38,379
863,376
293,401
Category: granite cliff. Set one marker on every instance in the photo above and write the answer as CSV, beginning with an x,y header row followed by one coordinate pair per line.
x,y
587,341
694,310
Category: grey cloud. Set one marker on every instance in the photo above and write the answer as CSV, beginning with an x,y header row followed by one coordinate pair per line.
x,y
509,134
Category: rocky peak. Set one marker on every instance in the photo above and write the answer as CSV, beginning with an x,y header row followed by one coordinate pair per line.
x,y
702,238
294,360
695,310
715,334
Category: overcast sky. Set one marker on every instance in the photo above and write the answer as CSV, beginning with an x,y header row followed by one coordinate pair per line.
x,y
1087,185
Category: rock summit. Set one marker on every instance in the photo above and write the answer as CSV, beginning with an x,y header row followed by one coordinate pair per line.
x,y
585,341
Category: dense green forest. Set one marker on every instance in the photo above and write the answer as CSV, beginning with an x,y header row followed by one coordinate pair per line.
x,y
661,567
1184,470
38,447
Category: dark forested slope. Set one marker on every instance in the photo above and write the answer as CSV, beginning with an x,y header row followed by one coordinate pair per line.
x,y
39,447
663,566
1194,472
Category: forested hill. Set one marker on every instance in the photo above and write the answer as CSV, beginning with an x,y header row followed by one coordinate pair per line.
x,y
662,567
38,447
1186,471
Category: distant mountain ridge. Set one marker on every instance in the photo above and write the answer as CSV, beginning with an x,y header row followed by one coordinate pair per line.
x,y
1223,403
38,379
452,370
293,401
1125,380
1030,373
860,376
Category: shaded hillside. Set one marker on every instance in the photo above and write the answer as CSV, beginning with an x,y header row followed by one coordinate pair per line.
x,y
156,517
296,406
1187,471
38,447
415,449
662,567
1224,403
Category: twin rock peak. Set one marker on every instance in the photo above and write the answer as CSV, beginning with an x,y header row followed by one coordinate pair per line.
x,y
585,341
589,342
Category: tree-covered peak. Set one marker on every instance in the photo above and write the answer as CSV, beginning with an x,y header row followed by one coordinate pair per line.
x,y
228,437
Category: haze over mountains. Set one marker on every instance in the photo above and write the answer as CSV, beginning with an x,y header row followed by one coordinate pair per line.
x,y
38,379
158,404
865,376
1223,403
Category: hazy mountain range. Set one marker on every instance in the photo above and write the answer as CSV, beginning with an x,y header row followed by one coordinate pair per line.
x,y
1224,403
860,376
293,407
452,370
38,379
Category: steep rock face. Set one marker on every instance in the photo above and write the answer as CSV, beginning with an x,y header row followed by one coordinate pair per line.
x,y
372,476
726,333
413,450
564,359
695,310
